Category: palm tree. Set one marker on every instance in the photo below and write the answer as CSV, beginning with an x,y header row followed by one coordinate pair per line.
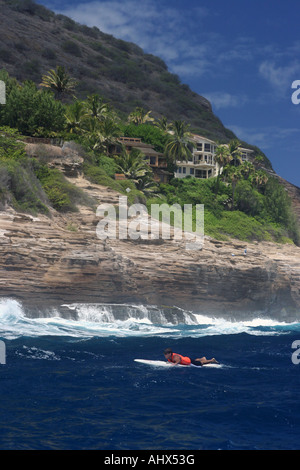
x,y
132,164
59,81
223,158
75,115
96,108
259,160
163,124
234,175
146,184
260,178
179,145
104,134
140,116
234,151
247,169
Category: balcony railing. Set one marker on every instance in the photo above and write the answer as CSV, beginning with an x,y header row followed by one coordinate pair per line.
x,y
204,162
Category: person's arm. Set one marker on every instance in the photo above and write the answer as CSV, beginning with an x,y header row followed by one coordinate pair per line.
x,y
177,360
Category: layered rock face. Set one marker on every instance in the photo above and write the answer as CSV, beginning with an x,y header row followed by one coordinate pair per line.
x,y
51,261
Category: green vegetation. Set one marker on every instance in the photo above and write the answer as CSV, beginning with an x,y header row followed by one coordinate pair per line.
x,y
19,186
62,195
148,133
30,186
253,215
59,81
179,146
30,110
242,201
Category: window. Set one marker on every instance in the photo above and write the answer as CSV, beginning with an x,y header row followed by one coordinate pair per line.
x,y
207,147
200,174
179,169
184,170
192,171
207,159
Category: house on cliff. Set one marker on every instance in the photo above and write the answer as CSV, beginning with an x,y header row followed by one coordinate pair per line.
x,y
202,163
156,160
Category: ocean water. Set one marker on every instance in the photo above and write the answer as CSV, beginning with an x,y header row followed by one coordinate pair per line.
x,y
72,383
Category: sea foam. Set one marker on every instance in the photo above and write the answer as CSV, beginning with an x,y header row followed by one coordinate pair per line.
x,y
103,320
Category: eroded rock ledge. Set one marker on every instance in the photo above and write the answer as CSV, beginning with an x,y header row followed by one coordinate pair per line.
x,y
51,261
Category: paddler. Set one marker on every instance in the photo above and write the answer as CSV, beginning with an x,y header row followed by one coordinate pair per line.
x,y
176,359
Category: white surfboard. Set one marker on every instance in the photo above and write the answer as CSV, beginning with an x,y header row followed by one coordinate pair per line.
x,y
168,364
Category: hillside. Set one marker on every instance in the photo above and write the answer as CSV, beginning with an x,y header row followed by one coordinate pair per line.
x,y
34,40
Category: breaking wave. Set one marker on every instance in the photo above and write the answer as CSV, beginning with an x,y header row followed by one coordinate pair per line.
x,y
104,320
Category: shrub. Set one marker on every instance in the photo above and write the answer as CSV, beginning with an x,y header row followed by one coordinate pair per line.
x,y
247,199
6,55
98,175
108,164
277,202
49,53
196,191
31,69
31,8
32,111
148,133
69,24
10,147
63,195
71,47
127,72
20,187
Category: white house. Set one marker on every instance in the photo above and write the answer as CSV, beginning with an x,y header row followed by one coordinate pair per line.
x,y
245,154
202,164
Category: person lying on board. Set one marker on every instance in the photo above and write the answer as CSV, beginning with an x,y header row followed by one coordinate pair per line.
x,y
176,359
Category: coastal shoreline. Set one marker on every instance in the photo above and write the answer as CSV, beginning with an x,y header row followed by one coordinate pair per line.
x,y
45,264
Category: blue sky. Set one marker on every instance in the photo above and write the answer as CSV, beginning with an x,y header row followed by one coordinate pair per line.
x,y
241,55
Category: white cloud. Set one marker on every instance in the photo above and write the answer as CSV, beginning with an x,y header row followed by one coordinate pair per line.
x,y
152,26
179,39
182,39
221,99
265,137
280,77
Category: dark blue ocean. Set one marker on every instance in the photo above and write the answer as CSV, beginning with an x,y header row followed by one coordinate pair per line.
x,y
73,383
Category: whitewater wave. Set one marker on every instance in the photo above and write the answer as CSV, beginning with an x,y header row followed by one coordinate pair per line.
x,y
104,320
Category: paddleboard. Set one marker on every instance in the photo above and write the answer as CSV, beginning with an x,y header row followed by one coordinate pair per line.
x,y
168,364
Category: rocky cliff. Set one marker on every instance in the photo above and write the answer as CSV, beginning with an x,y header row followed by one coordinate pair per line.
x,y
57,260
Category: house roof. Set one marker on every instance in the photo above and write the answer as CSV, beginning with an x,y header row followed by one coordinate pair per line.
x,y
196,137
147,149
